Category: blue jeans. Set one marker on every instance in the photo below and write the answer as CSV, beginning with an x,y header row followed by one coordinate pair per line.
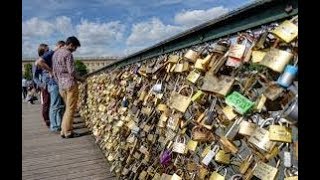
x,y
56,107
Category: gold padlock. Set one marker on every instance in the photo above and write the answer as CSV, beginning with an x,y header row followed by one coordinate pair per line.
x,y
216,176
173,58
280,133
222,157
220,85
203,172
143,175
276,59
244,166
257,56
260,103
229,113
193,76
265,171
287,31
192,145
246,128
179,67
191,55
181,102
197,96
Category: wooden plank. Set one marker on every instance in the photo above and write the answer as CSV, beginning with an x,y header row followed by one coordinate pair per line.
x,y
46,155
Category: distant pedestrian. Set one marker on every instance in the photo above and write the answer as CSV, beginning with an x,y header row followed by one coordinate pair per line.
x,y
24,88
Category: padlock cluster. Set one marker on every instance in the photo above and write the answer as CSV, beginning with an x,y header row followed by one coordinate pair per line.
x,y
226,109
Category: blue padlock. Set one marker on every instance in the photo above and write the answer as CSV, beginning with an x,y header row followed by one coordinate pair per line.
x,y
286,79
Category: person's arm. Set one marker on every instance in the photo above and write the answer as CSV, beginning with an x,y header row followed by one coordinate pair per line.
x,y
42,64
71,68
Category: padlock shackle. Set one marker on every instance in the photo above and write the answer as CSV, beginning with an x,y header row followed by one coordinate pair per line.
x,y
186,86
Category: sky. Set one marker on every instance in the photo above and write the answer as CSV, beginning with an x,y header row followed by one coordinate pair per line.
x,y
113,27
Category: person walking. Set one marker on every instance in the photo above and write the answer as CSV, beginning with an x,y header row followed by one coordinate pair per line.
x,y
24,88
66,76
56,108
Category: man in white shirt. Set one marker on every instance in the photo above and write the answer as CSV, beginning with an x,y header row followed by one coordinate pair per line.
x,y
24,88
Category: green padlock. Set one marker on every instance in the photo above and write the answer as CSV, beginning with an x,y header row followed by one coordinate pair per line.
x,y
240,103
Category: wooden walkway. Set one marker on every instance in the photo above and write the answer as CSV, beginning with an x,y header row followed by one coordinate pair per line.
x,y
47,156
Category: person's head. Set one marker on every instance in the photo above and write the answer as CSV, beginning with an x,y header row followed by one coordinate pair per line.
x,y
72,43
59,45
42,49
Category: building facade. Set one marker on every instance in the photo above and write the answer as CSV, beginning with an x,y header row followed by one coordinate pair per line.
x,y
91,63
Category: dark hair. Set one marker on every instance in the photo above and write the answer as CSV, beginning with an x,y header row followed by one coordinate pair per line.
x,y
42,49
73,40
60,43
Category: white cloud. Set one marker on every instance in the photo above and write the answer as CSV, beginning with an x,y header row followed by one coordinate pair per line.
x,y
196,17
63,24
37,27
150,32
100,33
99,39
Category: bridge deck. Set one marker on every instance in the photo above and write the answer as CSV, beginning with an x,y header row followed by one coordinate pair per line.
x,y
47,156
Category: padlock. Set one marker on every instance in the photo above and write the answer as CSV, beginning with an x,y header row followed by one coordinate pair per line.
x,y
288,76
173,58
179,145
289,175
276,59
181,102
156,176
173,122
247,128
280,133
206,150
217,176
273,91
222,157
257,56
260,137
234,128
228,145
192,145
240,103
201,64
143,175
191,55
287,31
260,103
193,76
244,166
210,155
163,120
237,50
179,67
265,171
287,157
220,85
197,96
157,88
273,153
228,112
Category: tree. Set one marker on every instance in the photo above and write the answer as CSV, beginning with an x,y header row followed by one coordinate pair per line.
x,y
28,71
81,68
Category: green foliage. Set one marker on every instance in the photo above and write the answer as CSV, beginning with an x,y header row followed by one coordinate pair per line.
x,y
28,71
81,68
